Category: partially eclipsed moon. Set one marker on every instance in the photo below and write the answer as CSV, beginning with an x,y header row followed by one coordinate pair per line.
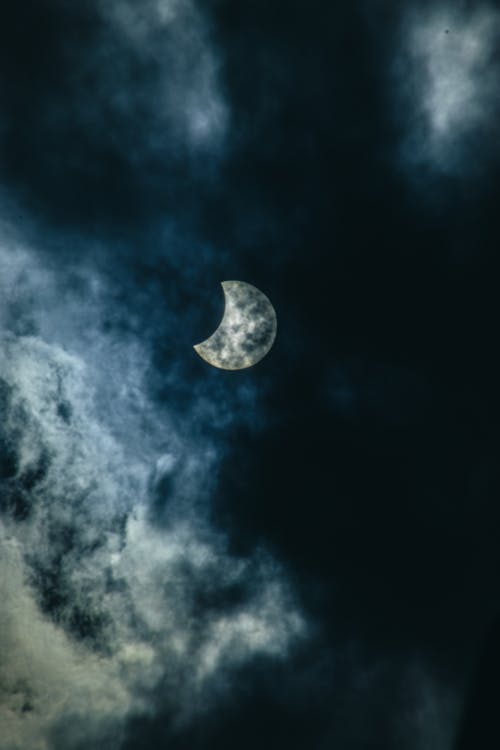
x,y
246,332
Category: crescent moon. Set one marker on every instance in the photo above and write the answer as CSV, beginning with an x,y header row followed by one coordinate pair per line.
x,y
246,332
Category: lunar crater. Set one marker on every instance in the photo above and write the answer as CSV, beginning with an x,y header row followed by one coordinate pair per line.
x,y
246,332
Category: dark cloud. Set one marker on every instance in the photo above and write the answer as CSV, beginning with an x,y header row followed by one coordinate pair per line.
x,y
126,101
305,553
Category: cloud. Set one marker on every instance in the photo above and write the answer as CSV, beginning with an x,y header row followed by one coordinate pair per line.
x,y
117,591
448,79
429,716
44,675
120,107
184,93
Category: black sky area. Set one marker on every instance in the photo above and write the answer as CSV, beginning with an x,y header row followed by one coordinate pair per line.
x,y
374,478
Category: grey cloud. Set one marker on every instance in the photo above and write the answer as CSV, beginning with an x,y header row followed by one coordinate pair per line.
x,y
174,37
423,707
154,77
448,80
128,104
430,722
102,605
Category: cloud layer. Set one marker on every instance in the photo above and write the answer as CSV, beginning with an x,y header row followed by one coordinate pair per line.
x,y
147,154
106,601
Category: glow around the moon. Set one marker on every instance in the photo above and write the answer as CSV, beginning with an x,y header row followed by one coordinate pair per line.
x,y
246,332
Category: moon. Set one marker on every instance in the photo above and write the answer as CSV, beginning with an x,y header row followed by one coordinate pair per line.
x,y
246,332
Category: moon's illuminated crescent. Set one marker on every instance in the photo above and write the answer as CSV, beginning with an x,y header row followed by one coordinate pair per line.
x,y
246,332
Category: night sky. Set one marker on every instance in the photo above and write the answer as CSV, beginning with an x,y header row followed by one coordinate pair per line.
x,y
303,554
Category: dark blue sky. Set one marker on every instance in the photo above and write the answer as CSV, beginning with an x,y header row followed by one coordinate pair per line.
x,y
304,554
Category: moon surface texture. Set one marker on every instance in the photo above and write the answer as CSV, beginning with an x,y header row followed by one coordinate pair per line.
x,y
246,332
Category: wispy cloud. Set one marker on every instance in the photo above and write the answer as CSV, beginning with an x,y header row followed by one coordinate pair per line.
x,y
179,99
102,604
123,100
448,79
